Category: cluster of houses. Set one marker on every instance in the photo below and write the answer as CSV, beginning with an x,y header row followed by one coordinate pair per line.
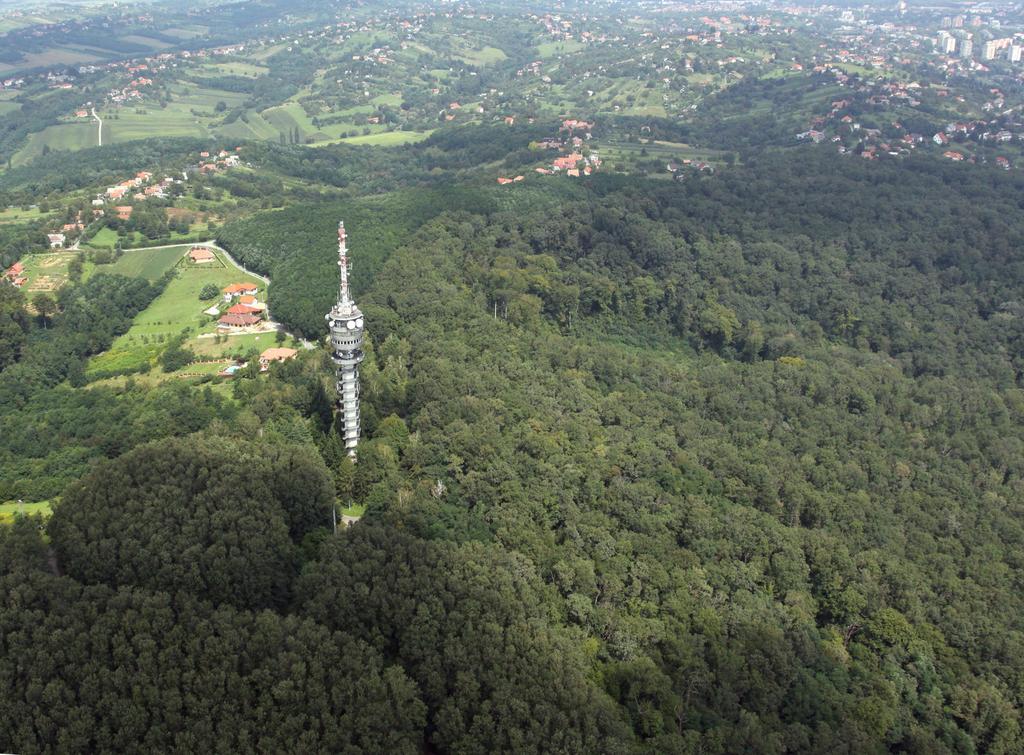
x,y
138,188
57,239
222,160
131,91
842,127
245,311
15,275
574,163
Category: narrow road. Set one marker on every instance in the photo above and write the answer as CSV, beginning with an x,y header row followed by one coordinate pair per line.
x,y
99,128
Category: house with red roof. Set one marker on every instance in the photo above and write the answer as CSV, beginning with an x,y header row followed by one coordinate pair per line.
x,y
240,289
242,309
236,321
201,255
276,354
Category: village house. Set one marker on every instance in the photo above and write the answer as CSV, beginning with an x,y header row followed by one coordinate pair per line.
x,y
56,240
124,212
250,301
239,289
275,354
233,321
568,162
15,275
242,309
200,255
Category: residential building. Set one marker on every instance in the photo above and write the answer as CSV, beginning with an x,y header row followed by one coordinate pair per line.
x,y
275,354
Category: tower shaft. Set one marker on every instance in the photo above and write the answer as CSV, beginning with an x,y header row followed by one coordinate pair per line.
x,y
346,325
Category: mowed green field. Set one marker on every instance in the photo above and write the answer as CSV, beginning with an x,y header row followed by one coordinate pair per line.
x,y
178,309
146,263
232,68
389,138
481,57
553,49
104,238
143,123
68,136
18,215
10,510
53,56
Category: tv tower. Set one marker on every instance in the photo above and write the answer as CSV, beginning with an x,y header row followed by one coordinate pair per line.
x,y
346,324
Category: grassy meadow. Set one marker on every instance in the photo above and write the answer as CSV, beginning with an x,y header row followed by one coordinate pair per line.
x,y
178,309
12,509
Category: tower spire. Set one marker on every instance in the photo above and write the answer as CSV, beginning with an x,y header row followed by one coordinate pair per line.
x,y
343,293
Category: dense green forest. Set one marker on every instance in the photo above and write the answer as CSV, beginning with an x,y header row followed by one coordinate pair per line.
x,y
732,464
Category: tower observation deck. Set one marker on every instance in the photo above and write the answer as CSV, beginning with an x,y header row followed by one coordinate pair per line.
x,y
346,325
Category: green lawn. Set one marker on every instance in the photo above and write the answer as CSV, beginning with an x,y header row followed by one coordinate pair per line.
x,y
10,510
481,57
551,49
232,68
176,310
104,238
18,215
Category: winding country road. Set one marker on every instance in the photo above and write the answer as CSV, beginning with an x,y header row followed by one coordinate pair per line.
x,y
99,128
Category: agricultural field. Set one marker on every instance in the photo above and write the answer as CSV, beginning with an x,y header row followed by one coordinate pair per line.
x,y
145,263
18,215
55,56
389,138
627,157
178,309
66,136
554,49
232,67
127,124
47,271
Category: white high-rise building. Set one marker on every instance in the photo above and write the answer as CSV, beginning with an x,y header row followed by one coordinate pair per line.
x,y
346,324
1014,53
966,48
